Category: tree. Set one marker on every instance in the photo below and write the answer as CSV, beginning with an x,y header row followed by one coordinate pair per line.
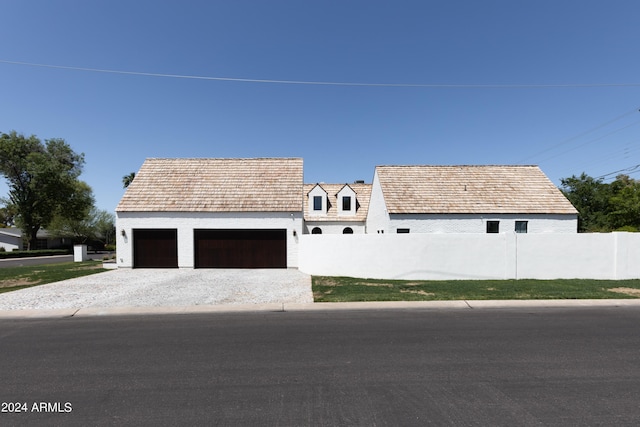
x,y
97,225
105,224
590,197
7,217
625,203
43,181
128,179
604,207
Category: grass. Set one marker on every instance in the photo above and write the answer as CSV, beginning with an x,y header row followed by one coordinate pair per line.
x,y
14,278
348,289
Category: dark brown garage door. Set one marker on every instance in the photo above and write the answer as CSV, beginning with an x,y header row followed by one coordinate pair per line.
x,y
240,248
155,248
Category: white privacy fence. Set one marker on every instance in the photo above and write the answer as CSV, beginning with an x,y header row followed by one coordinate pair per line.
x,y
612,256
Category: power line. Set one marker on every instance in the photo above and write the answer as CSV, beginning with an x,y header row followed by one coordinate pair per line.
x,y
621,153
578,136
630,169
590,141
325,83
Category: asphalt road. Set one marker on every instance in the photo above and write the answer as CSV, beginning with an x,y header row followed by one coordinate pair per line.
x,y
536,366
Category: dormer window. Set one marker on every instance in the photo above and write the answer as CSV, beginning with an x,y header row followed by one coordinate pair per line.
x,y
346,203
317,201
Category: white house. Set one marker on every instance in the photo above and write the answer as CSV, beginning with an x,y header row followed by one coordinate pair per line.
x,y
11,239
467,199
212,213
336,208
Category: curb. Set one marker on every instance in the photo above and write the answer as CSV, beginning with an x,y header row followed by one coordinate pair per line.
x,y
315,307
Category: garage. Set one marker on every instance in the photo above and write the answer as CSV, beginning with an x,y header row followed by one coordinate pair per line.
x,y
155,248
240,248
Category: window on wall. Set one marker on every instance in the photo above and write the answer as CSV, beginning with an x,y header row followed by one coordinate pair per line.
x,y
521,226
316,230
346,203
317,203
347,230
402,231
493,226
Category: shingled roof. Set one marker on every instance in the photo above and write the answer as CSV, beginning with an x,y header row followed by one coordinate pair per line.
x,y
363,194
216,185
470,189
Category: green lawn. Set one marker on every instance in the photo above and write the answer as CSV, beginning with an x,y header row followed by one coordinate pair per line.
x,y
14,278
344,289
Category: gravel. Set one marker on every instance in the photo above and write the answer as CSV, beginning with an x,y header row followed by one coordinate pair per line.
x,y
166,287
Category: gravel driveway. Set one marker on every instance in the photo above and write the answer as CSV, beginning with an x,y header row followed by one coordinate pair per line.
x,y
166,287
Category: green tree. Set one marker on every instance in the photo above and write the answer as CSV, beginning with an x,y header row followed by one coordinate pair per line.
x,y
128,179
625,203
7,217
105,224
602,206
97,225
43,181
78,225
590,197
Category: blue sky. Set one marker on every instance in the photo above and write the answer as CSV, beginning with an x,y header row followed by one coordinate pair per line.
x,y
547,82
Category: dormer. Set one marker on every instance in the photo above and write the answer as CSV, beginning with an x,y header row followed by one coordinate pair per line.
x,y
317,199
347,202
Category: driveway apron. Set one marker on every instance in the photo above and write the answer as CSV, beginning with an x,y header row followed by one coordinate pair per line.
x,y
166,287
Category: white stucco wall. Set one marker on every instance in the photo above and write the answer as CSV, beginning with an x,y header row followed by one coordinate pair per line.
x,y
471,223
334,227
186,222
377,216
611,256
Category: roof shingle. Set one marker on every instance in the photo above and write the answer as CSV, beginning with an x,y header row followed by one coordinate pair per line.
x,y
216,185
470,189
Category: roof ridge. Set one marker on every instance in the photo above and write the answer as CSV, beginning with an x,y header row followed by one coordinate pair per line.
x,y
223,158
456,166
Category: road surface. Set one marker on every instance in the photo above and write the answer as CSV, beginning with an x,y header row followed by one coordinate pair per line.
x,y
525,367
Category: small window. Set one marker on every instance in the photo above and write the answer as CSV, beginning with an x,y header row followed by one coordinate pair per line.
x,y
346,203
316,230
347,230
317,203
402,231
521,226
493,226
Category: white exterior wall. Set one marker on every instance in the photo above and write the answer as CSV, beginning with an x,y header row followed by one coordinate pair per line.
x,y
10,243
611,256
187,222
334,227
469,223
377,216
